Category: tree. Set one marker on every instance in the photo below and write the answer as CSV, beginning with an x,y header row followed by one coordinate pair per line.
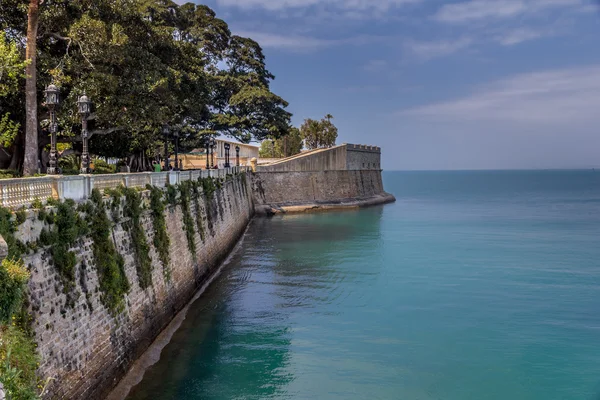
x,y
31,123
144,64
286,146
317,134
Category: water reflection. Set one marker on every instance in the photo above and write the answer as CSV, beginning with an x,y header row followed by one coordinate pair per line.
x,y
237,339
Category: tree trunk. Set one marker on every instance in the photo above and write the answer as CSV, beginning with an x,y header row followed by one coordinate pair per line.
x,y
30,161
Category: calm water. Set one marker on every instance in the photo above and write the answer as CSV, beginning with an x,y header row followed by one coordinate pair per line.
x,y
474,285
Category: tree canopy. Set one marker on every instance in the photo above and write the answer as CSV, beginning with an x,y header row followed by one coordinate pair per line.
x,y
316,134
144,64
285,146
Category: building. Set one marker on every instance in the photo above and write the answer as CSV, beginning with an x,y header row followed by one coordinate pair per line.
x,y
196,159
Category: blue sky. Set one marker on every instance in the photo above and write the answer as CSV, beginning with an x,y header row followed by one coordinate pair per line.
x,y
439,84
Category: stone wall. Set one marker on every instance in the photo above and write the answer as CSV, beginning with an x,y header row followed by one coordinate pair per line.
x,y
86,350
345,157
277,190
359,157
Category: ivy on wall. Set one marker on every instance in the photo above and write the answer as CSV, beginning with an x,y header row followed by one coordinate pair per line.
x,y
185,189
161,239
109,263
133,210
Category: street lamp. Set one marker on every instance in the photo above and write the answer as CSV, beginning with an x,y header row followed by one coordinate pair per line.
x,y
237,156
207,144
213,144
227,146
165,131
52,101
176,136
84,106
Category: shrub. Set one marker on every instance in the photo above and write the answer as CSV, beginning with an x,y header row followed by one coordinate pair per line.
x,y
13,277
102,167
161,239
19,364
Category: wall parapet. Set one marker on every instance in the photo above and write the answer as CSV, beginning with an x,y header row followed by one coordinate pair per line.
x,y
18,192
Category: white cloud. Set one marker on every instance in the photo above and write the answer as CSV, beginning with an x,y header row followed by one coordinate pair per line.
x,y
474,10
520,35
426,50
376,65
556,97
288,42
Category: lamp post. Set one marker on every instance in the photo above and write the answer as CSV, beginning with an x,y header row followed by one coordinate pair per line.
x,y
237,156
176,136
227,146
84,106
213,143
165,131
207,144
52,101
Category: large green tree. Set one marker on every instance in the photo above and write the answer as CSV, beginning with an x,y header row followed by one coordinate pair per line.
x,y
316,134
144,64
285,146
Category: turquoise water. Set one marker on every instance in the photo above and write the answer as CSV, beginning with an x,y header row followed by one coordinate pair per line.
x,y
474,285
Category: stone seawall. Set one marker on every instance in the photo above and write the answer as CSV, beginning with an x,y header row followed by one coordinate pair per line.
x,y
276,192
85,349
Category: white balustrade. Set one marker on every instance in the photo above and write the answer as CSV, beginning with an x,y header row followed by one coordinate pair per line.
x,y
18,192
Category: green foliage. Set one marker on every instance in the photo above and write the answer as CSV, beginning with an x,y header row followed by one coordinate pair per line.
x,y
188,222
208,187
161,239
171,195
8,174
9,130
18,364
37,204
317,134
13,277
102,167
7,230
286,146
20,216
133,210
109,263
12,67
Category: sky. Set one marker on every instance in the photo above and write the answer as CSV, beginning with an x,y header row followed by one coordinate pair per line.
x,y
439,84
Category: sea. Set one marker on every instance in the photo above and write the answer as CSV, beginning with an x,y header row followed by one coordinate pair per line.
x,y
474,285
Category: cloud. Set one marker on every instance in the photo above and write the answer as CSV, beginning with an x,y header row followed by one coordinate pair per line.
x,y
474,10
376,65
288,42
517,36
426,50
557,97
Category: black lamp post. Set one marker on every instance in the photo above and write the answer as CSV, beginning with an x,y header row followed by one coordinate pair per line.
x,y
165,131
227,146
237,156
207,144
176,136
52,101
213,143
84,106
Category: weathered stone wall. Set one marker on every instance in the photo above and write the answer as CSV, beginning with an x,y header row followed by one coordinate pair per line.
x,y
278,189
345,157
84,349
359,157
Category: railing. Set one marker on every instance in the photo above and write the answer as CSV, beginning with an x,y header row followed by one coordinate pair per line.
x,y
18,192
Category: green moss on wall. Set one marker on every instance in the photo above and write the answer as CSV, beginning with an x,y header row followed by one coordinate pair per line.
x,y
109,263
161,239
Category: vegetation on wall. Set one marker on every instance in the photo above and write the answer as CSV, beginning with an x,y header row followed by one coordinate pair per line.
x,y
133,210
161,239
185,189
109,263
18,358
